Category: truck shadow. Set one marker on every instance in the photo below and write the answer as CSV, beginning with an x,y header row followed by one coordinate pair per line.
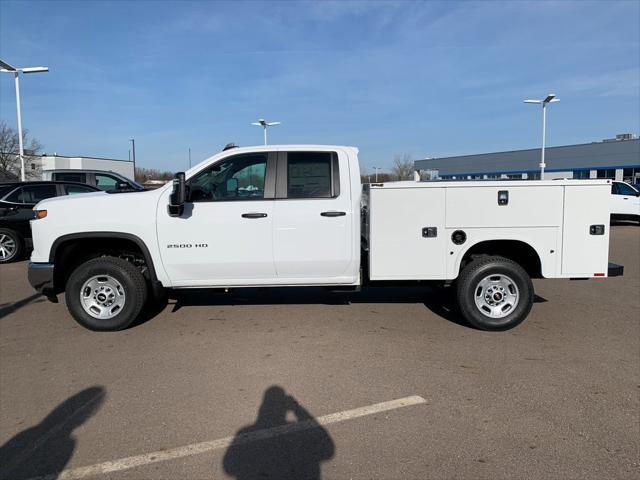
x,y
439,301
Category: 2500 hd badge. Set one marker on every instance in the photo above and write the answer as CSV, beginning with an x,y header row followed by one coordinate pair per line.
x,y
188,245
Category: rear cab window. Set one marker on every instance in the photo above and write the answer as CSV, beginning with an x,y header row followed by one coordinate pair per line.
x,y
308,175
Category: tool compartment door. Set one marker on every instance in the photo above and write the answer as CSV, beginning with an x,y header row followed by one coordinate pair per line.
x,y
398,248
585,252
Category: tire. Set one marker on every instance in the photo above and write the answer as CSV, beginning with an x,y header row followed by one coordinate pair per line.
x,y
494,293
106,294
11,245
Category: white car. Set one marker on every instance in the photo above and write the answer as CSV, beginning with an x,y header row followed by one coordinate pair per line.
x,y
625,202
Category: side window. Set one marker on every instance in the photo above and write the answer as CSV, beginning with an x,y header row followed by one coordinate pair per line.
x,y
15,196
106,182
70,177
237,178
312,175
75,189
32,194
624,189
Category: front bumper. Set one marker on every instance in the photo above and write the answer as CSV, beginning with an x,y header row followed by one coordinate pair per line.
x,y
41,278
615,270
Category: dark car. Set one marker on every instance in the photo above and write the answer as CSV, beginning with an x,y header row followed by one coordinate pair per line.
x,y
17,200
104,180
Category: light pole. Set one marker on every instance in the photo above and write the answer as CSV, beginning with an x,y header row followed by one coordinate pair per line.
x,y
6,68
264,124
376,170
551,98
133,148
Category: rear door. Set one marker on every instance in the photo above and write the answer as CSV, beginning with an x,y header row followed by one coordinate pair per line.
x,y
313,218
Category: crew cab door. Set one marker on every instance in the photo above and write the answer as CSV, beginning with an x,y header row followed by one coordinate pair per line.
x,y
224,236
313,218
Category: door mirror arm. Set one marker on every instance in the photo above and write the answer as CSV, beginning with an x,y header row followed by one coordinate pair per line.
x,y
178,196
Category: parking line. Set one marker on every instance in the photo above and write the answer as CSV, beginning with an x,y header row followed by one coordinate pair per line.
x,y
202,447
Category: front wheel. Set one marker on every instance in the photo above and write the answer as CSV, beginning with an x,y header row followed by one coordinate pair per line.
x,y
106,294
494,293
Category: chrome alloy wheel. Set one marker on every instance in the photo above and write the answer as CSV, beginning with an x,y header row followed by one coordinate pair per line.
x,y
102,297
7,247
496,296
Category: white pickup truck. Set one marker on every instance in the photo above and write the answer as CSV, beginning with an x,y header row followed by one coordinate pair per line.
x,y
299,216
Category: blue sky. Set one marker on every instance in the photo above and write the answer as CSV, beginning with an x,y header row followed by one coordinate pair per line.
x,y
424,78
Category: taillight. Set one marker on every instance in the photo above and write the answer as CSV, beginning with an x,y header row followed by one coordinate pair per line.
x,y
40,214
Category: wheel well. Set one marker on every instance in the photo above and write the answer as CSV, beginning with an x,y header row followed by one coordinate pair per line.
x,y
68,254
520,252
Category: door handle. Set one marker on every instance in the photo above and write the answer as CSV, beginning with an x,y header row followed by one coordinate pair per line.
x,y
254,215
333,214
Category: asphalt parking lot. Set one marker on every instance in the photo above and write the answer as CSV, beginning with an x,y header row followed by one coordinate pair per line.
x,y
381,384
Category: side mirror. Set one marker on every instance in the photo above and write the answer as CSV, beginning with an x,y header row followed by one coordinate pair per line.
x,y
122,186
232,187
178,196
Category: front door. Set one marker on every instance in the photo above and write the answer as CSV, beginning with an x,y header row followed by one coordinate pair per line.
x,y
313,218
224,236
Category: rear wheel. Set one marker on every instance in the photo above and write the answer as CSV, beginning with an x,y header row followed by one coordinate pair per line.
x,y
106,294
494,293
11,245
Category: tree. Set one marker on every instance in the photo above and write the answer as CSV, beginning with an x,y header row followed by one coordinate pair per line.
x,y
10,150
403,167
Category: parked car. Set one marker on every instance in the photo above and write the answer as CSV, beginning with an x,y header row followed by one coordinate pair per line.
x,y
107,181
308,221
17,200
625,202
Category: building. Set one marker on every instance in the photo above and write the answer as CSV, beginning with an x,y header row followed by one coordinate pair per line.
x,y
60,162
617,159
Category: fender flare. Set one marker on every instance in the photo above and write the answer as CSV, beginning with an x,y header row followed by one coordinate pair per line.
x,y
156,285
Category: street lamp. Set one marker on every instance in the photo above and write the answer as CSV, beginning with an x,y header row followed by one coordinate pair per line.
x,y
6,68
133,147
376,170
264,124
551,98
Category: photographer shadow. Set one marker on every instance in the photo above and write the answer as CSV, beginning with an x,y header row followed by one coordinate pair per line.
x,y
275,448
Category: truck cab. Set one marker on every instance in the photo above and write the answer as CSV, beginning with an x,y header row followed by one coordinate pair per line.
x,y
283,216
